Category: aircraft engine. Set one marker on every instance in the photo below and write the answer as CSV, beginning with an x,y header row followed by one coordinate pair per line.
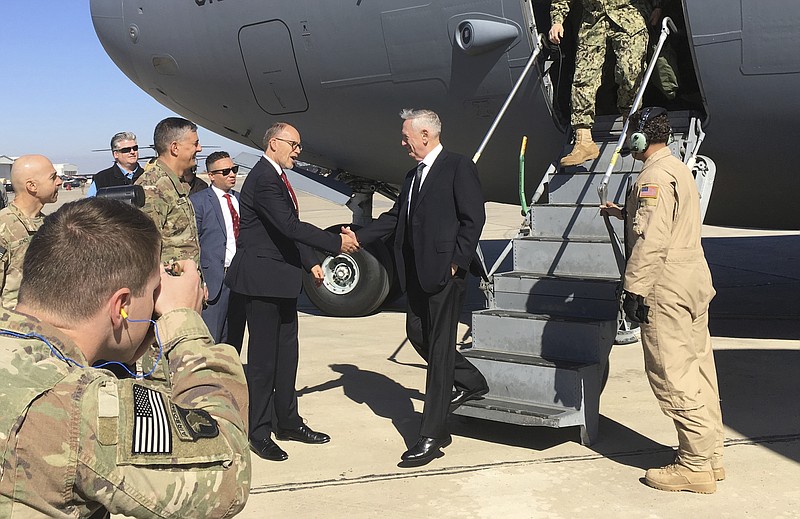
x,y
479,36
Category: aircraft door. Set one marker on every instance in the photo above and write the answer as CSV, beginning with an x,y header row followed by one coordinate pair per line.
x,y
269,59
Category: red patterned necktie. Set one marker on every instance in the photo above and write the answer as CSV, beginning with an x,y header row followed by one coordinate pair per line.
x,y
291,192
234,216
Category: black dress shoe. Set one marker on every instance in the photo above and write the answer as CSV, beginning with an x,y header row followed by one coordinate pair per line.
x,y
302,434
268,450
425,449
460,396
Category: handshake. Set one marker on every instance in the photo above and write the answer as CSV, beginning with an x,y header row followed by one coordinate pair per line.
x,y
349,241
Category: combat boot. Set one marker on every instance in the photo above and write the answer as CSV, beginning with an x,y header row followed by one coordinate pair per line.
x,y
585,149
674,478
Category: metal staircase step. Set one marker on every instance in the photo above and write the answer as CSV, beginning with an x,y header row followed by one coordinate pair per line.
x,y
580,187
571,222
520,413
566,257
593,298
531,379
550,337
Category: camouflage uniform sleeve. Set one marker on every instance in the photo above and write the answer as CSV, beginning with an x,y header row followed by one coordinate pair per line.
x,y
151,454
156,205
559,9
652,205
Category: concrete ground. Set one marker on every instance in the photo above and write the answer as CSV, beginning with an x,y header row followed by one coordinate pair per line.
x,y
361,382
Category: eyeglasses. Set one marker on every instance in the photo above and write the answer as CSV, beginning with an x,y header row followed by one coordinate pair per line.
x,y
226,171
294,144
128,149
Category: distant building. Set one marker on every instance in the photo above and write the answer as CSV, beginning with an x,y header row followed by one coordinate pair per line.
x,y
66,170
5,167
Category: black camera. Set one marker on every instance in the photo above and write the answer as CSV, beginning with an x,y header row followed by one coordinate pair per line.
x,y
133,195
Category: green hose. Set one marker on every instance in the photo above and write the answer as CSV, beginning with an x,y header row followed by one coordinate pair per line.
x,y
522,199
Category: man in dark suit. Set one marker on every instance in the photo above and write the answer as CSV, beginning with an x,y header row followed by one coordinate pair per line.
x,y
126,168
436,224
216,210
273,248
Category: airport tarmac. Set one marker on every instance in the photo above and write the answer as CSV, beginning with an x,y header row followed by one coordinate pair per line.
x,y
361,382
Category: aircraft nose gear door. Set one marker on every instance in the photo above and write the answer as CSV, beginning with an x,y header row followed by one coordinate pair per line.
x,y
271,66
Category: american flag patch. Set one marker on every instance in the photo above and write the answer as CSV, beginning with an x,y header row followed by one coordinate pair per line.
x,y
648,191
151,433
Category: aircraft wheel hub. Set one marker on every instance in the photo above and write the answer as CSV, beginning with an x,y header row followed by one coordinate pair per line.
x,y
341,274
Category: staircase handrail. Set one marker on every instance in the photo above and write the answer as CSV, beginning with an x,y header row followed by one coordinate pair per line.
x,y
666,26
536,51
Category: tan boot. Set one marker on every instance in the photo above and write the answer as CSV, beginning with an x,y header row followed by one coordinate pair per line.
x,y
585,149
674,478
719,472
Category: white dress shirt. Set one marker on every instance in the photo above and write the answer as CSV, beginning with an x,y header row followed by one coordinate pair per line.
x,y
230,245
429,159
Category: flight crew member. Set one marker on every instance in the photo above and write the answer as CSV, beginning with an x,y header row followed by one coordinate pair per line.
x,y
620,22
217,212
166,197
273,249
126,168
436,221
77,439
668,289
35,183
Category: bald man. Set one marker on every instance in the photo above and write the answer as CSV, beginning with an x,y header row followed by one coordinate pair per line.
x,y
35,184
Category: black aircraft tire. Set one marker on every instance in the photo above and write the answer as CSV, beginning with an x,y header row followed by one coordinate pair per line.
x,y
355,284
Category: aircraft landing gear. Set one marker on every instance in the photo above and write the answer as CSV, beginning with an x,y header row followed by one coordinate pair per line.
x,y
355,284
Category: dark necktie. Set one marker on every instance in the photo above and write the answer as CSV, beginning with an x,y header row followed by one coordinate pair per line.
x,y
416,186
291,193
234,216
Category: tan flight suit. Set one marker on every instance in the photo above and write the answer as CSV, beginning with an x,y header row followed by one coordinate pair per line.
x,y
666,265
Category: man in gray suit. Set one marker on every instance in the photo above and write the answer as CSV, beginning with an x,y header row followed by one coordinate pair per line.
x,y
217,213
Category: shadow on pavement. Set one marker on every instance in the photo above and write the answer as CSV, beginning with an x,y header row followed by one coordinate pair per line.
x,y
384,396
759,391
757,282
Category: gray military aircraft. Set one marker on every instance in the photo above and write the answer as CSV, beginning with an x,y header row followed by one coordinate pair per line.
x,y
340,71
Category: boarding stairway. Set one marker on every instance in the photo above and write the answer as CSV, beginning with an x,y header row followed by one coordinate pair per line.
x,y
544,341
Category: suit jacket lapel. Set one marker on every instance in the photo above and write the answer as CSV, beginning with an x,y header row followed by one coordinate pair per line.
x,y
276,177
217,208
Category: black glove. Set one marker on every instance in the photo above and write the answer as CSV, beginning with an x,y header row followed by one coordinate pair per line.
x,y
635,309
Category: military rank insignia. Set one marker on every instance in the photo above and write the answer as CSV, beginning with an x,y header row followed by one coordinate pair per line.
x,y
151,430
192,424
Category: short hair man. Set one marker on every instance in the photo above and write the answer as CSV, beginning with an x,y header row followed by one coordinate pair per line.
x,y
35,183
195,183
620,23
217,212
126,168
166,197
125,445
668,289
273,249
436,222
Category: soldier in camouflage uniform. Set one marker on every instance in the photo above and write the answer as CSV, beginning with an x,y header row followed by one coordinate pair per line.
x,y
620,22
166,197
76,441
35,183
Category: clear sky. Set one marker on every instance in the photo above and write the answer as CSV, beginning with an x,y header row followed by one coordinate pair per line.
x,y
60,93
